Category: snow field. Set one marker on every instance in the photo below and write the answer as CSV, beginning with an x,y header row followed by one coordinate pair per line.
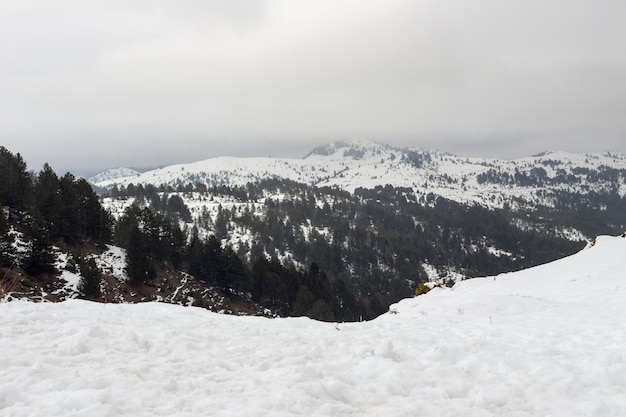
x,y
547,341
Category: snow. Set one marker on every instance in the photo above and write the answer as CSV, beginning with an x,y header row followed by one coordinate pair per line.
x,y
72,281
113,261
114,174
547,341
349,165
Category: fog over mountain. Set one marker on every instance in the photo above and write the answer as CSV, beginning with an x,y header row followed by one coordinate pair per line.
x,y
145,84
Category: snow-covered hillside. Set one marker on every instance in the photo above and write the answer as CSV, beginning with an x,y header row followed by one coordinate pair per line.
x,y
349,165
114,174
544,341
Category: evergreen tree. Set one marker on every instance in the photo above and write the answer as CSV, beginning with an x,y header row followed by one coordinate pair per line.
x,y
7,251
91,279
304,302
267,287
16,186
194,255
139,265
178,244
97,223
213,262
71,210
125,224
235,273
320,310
48,198
40,257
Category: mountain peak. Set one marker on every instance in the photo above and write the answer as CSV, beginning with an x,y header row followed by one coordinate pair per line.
x,y
354,149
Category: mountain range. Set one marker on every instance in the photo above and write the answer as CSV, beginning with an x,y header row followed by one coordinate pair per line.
x,y
380,217
340,234
524,183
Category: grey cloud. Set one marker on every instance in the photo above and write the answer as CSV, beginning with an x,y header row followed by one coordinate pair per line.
x,y
195,79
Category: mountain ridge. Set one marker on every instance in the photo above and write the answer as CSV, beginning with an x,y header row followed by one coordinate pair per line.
x,y
496,183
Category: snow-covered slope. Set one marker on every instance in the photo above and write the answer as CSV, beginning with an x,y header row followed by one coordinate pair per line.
x,y
523,182
545,341
114,174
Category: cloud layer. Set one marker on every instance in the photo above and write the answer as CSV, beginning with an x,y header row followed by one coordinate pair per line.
x,y
99,83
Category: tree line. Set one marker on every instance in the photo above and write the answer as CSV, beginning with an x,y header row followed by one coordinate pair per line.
x,y
46,209
373,241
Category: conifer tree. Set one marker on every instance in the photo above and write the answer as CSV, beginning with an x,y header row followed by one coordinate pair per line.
x,y
40,257
48,198
320,310
139,265
178,246
71,209
304,302
194,255
15,181
91,278
125,225
6,241
96,222
235,274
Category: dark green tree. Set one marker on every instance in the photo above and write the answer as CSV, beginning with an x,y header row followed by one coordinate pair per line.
x,y
235,274
139,266
48,198
320,310
7,251
178,245
40,257
16,184
71,212
125,224
90,279
304,302
96,223
195,255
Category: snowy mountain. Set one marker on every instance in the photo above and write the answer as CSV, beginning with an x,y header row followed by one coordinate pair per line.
x,y
543,341
519,184
114,174
373,212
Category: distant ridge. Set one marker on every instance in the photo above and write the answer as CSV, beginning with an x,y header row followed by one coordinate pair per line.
x,y
113,174
520,183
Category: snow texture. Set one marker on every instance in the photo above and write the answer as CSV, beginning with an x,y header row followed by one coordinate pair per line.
x,y
547,341
113,261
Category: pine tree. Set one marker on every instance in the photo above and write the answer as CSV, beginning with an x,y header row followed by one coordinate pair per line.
x,y
71,209
304,302
235,273
48,198
125,225
320,310
7,251
139,265
16,186
91,278
195,255
178,246
40,257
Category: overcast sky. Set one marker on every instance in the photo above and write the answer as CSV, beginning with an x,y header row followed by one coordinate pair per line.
x,y
88,84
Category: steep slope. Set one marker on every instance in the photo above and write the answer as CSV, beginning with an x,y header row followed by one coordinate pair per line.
x,y
521,184
545,341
